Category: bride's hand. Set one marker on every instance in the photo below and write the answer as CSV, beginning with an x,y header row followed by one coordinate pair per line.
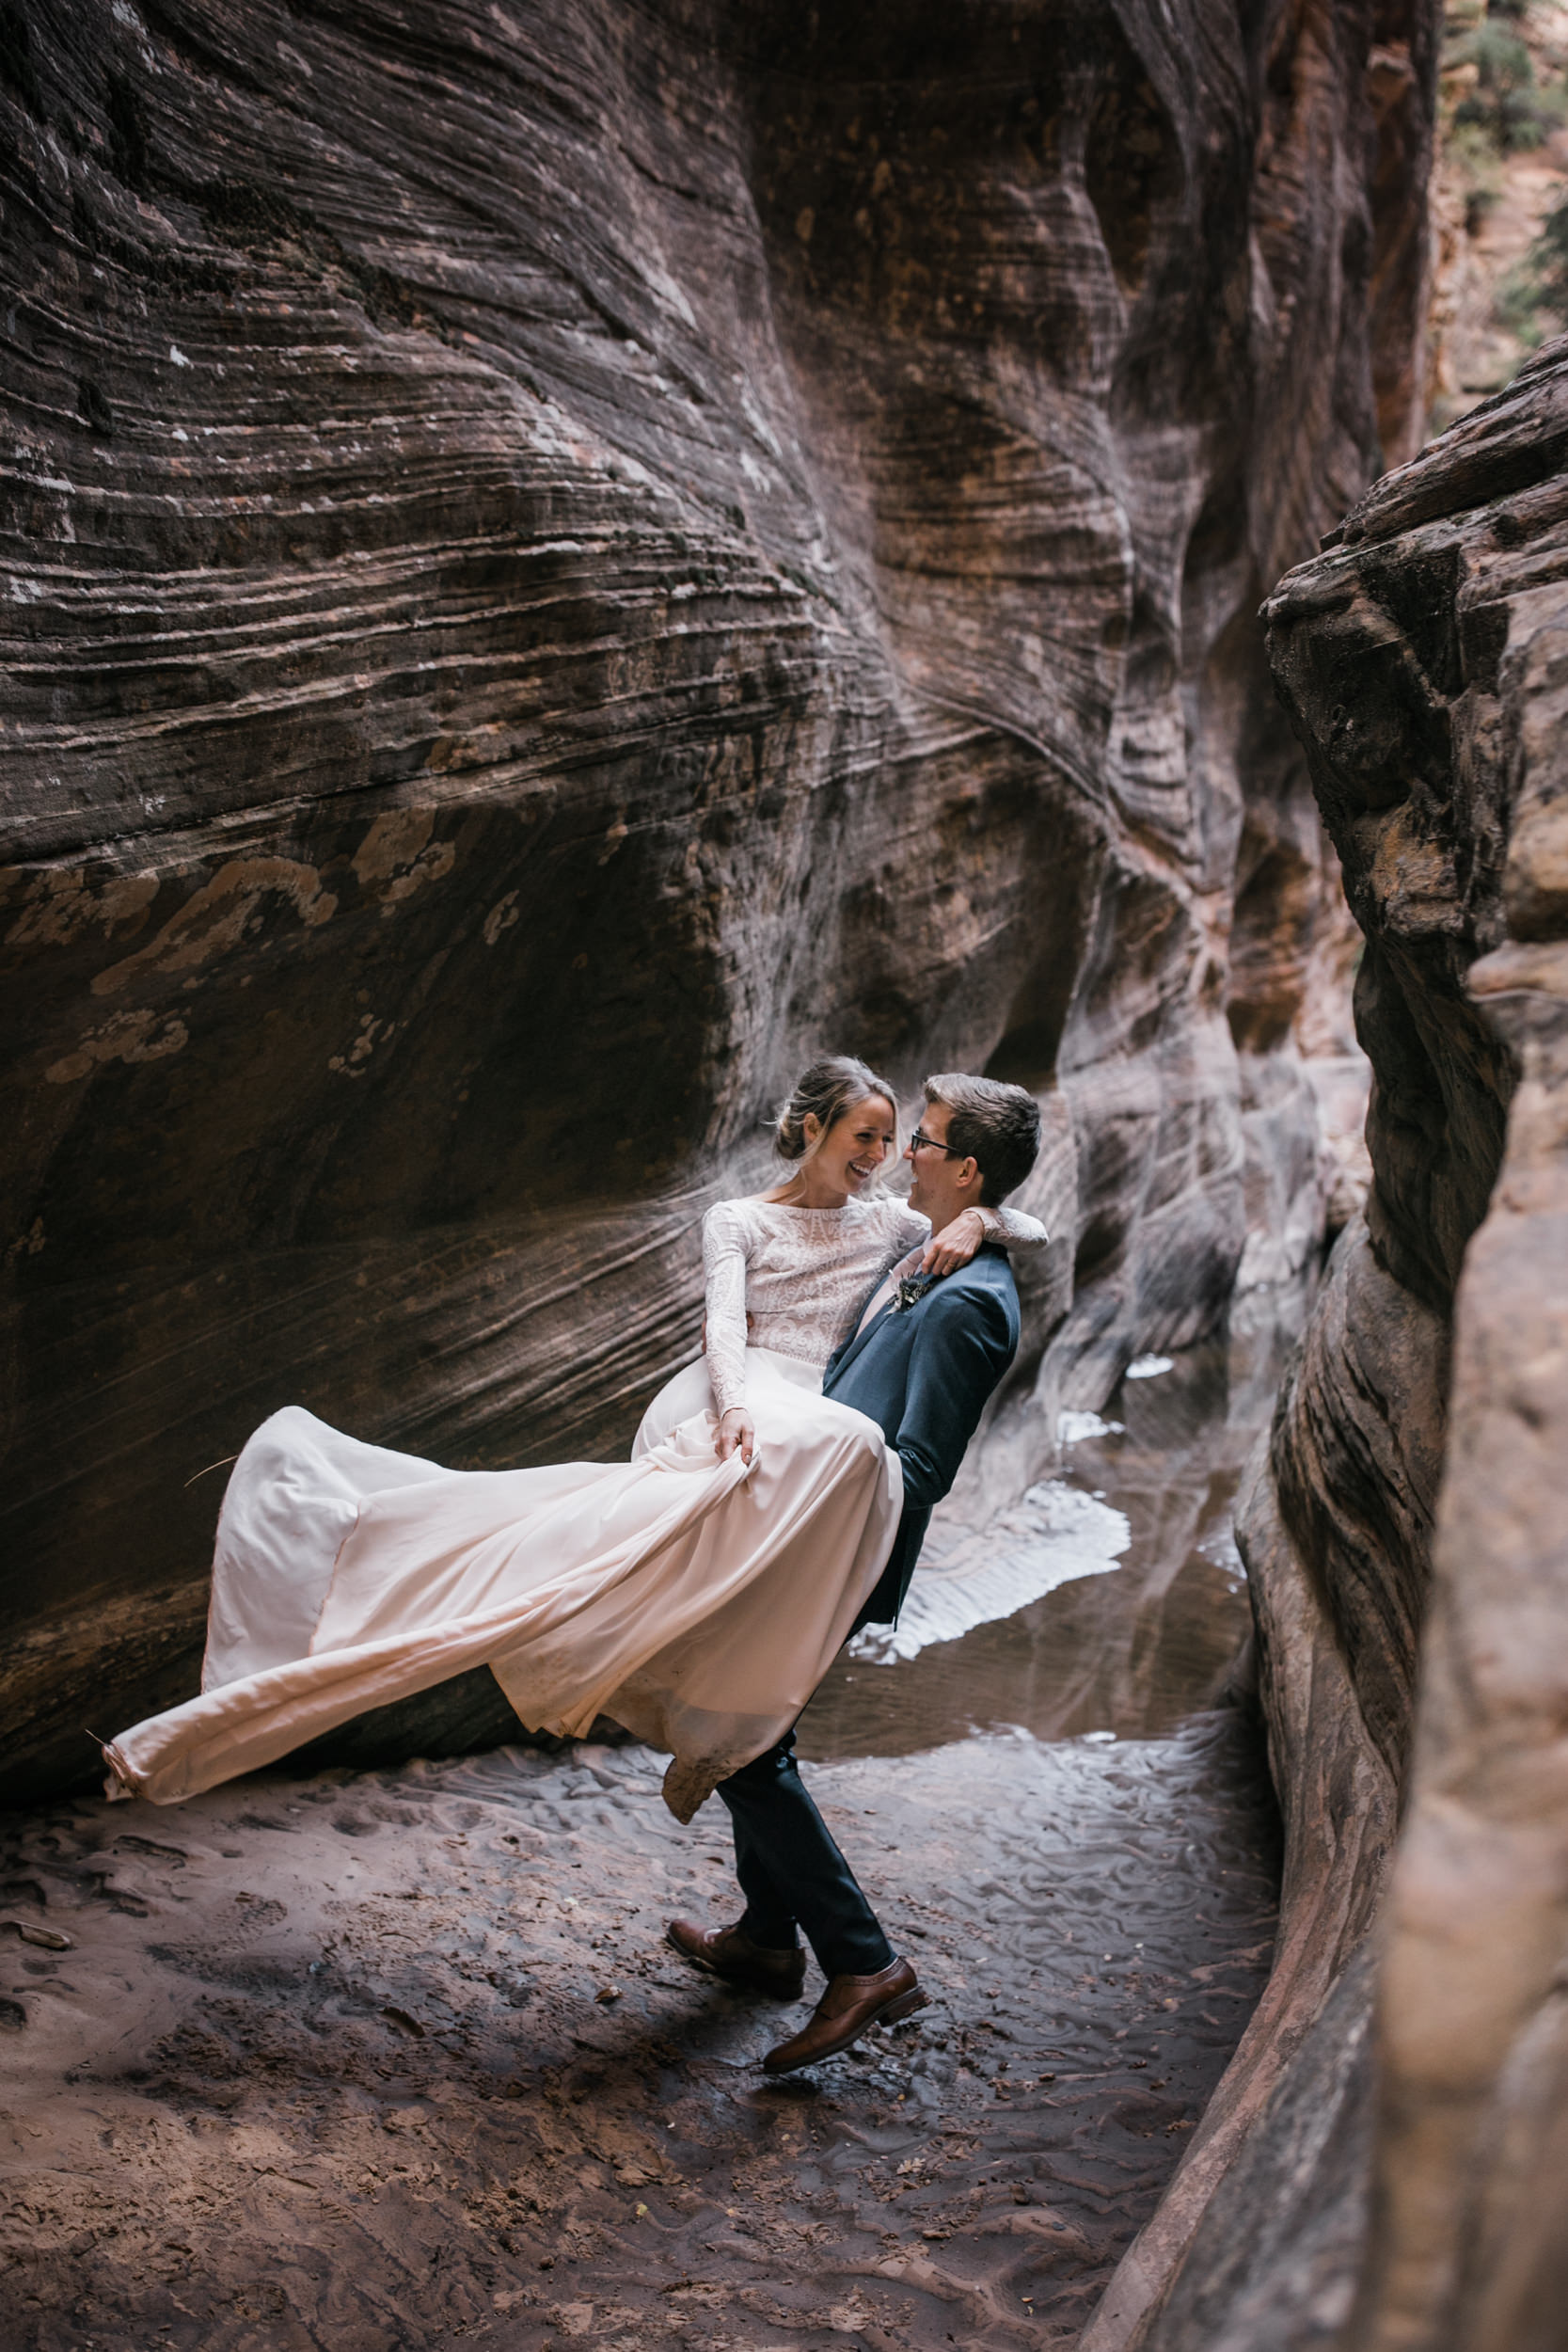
x,y
735,1430
954,1245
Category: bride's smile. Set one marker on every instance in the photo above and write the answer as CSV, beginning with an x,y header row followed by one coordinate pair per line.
x,y
840,1161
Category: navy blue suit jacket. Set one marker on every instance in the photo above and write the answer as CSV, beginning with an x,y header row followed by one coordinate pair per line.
x,y
924,1376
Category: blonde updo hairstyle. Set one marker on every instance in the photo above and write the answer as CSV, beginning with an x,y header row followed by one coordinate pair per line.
x,y
824,1092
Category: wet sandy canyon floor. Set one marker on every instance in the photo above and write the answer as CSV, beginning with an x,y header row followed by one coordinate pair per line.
x,y
393,2058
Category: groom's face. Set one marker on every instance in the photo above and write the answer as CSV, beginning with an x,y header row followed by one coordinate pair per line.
x,y
940,1189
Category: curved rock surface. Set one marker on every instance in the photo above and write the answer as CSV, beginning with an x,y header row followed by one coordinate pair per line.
x,y
559,559
1404,2181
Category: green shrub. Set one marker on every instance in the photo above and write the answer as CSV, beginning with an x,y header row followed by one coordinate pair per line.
x,y
1506,104
1516,306
1499,56
1548,260
1474,154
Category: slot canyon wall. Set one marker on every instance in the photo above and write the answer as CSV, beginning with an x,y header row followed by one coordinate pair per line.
x,y
1402,2087
561,557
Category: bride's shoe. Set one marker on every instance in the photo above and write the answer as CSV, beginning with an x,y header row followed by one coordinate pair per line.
x,y
689,1786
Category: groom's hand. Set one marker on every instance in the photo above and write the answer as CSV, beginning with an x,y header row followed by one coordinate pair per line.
x,y
735,1430
954,1245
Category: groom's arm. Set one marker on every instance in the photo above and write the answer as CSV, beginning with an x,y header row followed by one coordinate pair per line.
x,y
962,1345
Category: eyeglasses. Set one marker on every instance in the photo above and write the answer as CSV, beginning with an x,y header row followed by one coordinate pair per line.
x,y
929,1142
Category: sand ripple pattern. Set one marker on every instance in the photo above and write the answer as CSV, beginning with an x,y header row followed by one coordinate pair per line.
x,y
365,2063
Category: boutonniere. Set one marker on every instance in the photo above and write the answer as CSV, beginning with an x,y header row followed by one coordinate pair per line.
x,y
910,1291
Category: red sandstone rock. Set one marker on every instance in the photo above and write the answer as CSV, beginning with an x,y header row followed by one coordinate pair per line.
x,y
561,559
1400,2097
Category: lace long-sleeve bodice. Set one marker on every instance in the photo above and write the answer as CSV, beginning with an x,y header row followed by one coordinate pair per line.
x,y
802,1274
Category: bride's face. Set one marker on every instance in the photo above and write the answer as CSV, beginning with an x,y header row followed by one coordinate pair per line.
x,y
857,1145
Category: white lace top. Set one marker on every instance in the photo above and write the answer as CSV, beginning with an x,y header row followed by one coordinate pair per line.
x,y
803,1273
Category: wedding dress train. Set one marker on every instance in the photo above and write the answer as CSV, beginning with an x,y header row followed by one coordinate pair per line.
x,y
699,1603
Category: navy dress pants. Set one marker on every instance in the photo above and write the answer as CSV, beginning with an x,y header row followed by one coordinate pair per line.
x,y
792,1874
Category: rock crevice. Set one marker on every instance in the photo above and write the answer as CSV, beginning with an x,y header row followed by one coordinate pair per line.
x,y
1403,1529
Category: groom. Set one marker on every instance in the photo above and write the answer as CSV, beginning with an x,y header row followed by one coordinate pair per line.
x,y
923,1358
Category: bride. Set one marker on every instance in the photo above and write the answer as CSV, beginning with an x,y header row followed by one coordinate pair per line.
x,y
696,1594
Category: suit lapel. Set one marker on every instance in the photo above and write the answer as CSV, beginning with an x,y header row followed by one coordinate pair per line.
x,y
852,1347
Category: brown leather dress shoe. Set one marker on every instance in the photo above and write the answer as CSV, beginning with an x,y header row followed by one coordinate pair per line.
x,y
725,1952
850,2005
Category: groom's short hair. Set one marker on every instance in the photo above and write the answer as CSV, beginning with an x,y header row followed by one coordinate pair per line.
x,y
996,1125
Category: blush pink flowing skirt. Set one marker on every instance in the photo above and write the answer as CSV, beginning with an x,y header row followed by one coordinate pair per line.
x,y
698,1603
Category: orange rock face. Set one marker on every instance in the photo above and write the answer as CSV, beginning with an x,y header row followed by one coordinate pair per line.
x,y
560,560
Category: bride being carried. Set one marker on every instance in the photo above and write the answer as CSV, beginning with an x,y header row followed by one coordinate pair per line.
x,y
697,1593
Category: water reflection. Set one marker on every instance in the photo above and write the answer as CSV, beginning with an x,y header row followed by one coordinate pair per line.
x,y
1135,1650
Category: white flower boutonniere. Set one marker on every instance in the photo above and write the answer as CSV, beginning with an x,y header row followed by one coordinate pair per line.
x,y
909,1292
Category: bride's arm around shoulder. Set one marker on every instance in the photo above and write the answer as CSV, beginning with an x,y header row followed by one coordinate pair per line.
x,y
1013,1228
726,1242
